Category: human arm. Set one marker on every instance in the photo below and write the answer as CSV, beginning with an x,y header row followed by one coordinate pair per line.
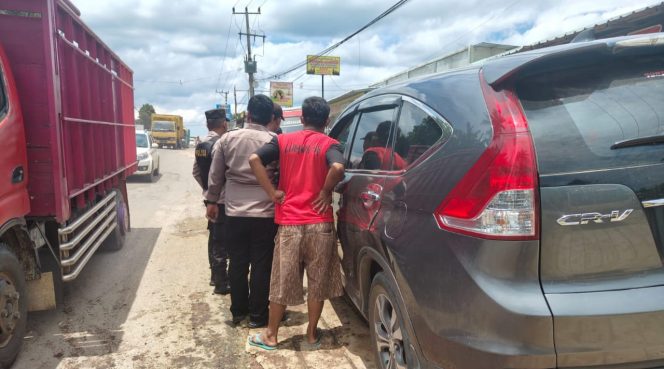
x,y
264,180
335,174
196,173
216,180
257,161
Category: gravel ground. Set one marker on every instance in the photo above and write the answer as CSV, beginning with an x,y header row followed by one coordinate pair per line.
x,y
149,305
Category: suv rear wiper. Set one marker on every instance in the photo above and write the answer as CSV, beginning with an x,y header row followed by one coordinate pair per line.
x,y
641,141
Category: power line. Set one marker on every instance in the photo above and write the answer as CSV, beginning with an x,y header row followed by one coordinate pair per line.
x,y
394,7
485,21
228,74
223,60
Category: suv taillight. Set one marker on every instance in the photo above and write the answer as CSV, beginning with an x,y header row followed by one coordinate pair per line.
x,y
497,198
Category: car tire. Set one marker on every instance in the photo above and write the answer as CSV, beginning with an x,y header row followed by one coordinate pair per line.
x,y
12,289
390,340
116,239
156,171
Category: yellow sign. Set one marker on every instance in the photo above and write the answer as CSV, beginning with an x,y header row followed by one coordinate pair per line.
x,y
282,93
323,65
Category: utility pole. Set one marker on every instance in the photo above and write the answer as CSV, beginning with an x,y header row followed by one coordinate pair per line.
x,y
225,93
235,99
249,62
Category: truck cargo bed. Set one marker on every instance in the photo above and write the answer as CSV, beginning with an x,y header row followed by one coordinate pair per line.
x,y
77,101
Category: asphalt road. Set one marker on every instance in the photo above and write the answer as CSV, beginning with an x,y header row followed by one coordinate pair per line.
x,y
149,305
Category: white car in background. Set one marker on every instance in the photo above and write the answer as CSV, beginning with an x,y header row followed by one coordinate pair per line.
x,y
147,156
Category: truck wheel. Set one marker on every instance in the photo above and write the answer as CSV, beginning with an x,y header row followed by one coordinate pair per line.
x,y
13,306
389,336
116,239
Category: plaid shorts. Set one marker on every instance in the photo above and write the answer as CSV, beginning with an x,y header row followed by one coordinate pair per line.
x,y
311,248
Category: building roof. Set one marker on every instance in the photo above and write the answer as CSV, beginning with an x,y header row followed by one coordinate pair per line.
x,y
631,23
348,94
431,66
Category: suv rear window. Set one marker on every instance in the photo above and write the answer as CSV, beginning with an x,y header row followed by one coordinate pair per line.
x,y
576,115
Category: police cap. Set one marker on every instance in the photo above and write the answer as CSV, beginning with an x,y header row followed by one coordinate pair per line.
x,y
215,114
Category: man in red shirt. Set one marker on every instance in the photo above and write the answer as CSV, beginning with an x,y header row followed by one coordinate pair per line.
x,y
311,166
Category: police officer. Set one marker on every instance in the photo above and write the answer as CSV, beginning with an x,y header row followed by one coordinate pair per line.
x,y
217,254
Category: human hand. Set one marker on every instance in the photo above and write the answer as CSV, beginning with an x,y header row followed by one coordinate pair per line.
x,y
212,212
278,197
323,201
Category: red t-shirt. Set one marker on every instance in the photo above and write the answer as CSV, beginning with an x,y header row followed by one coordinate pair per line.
x,y
303,167
384,155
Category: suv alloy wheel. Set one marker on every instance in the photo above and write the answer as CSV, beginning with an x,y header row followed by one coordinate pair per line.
x,y
389,337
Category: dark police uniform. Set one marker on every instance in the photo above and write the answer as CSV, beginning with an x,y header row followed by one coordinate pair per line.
x,y
217,254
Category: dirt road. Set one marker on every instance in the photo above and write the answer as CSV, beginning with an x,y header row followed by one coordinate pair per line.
x,y
149,305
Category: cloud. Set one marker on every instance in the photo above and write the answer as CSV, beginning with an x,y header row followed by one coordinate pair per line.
x,y
183,52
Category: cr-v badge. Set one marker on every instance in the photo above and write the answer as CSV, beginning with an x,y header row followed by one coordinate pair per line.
x,y
585,218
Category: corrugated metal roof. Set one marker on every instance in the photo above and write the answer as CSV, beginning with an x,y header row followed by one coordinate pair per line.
x,y
618,26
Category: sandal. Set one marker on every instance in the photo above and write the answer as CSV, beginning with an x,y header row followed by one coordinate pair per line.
x,y
257,341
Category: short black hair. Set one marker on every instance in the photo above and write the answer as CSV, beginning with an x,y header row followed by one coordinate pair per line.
x,y
213,124
278,111
215,118
260,108
315,111
383,132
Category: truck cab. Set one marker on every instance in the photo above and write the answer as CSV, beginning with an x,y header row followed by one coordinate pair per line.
x,y
168,131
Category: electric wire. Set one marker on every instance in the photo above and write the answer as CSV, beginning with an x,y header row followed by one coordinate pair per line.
x,y
326,51
228,74
484,22
224,56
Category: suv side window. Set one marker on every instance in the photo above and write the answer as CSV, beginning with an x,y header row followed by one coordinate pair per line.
x,y
348,125
373,138
417,131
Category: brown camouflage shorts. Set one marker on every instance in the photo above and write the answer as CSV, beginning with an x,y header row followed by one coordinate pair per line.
x,y
311,248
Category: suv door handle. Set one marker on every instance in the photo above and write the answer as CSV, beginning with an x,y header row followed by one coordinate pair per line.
x,y
369,198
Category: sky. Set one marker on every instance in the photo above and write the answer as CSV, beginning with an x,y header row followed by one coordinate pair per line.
x,y
186,53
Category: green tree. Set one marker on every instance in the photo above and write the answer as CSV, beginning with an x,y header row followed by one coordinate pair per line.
x,y
144,116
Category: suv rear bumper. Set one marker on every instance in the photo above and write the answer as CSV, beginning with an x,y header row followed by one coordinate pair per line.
x,y
474,303
601,329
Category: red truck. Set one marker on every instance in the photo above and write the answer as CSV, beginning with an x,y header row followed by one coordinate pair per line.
x,y
291,121
68,143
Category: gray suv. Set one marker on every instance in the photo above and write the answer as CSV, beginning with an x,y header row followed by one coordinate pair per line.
x,y
511,215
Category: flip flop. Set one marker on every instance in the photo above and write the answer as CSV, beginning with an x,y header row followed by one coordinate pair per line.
x,y
257,341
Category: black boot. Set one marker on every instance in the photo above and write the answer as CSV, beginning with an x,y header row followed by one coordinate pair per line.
x,y
212,278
